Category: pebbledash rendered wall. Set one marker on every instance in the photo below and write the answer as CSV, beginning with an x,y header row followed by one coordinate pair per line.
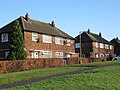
x,y
30,64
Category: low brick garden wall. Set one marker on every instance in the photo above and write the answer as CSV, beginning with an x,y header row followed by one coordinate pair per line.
x,y
30,64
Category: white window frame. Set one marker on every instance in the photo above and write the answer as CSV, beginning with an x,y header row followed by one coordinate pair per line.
x,y
59,40
6,54
96,44
97,55
68,55
47,39
4,37
47,54
111,47
59,54
101,45
34,54
106,46
68,42
34,36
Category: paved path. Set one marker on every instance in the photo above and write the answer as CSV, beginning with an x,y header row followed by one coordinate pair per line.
x,y
51,76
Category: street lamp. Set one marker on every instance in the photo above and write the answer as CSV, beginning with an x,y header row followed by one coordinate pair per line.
x,y
80,38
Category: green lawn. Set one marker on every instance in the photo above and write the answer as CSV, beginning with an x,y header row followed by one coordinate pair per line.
x,y
20,76
25,75
107,78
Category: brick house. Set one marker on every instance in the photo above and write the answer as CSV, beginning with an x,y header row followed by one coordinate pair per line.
x,y
116,43
94,46
41,40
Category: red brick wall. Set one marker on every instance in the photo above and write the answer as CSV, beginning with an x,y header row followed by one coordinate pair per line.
x,y
85,60
29,44
98,59
23,65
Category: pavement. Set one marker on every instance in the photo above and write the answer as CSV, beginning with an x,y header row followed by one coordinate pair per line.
x,y
21,83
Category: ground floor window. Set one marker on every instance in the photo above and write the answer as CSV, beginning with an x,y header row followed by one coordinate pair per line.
x,y
35,54
68,55
59,54
47,54
96,55
102,55
4,54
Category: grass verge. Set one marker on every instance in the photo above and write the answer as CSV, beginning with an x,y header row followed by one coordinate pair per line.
x,y
107,78
25,75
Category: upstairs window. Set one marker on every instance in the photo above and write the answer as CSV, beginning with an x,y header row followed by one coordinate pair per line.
x,y
106,46
96,44
47,39
77,45
111,47
101,45
59,40
68,42
34,36
4,37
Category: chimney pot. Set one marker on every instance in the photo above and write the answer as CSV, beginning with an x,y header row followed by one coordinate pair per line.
x,y
88,31
100,34
27,17
116,38
53,23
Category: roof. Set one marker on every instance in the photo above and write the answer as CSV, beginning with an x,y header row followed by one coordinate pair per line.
x,y
116,42
37,26
91,37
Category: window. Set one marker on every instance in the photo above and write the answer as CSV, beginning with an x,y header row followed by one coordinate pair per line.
x,y
102,55
6,54
68,55
34,36
4,37
34,54
47,54
77,45
68,42
101,45
96,44
59,54
47,39
106,46
58,40
96,55
110,47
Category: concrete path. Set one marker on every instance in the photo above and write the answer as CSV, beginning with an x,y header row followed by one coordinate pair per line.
x,y
51,76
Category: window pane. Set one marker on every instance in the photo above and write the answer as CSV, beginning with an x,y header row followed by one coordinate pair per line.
x,y
101,45
59,54
77,45
47,39
34,36
68,42
4,37
58,40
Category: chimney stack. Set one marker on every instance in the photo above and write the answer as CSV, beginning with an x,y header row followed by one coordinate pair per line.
x,y
116,38
27,17
53,23
100,34
88,31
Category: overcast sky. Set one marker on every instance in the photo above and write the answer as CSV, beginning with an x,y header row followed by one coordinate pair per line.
x,y
71,16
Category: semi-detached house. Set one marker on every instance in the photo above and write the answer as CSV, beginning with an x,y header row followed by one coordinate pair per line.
x,y
41,40
94,46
